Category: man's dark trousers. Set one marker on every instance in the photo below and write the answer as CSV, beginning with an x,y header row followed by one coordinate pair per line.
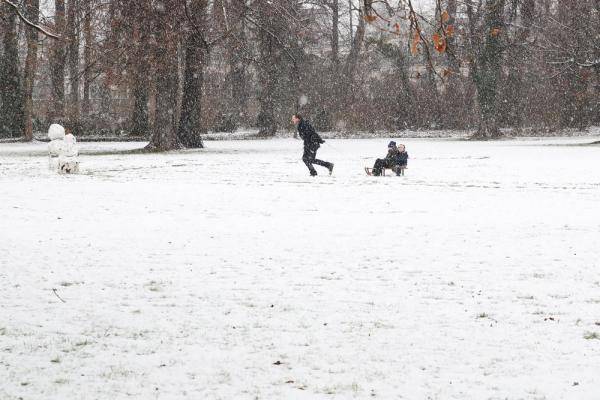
x,y
310,157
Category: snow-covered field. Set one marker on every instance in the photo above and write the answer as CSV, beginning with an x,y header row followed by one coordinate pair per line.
x,y
229,273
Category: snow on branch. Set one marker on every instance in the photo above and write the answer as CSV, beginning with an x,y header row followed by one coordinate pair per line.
x,y
572,61
590,64
29,23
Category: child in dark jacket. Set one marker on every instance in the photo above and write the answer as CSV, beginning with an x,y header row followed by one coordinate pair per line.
x,y
396,157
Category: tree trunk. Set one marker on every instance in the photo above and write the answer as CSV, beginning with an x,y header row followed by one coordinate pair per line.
x,y
140,123
237,66
164,135
11,95
451,60
454,97
576,101
404,98
517,86
336,84
335,33
56,110
73,62
267,74
347,87
488,69
196,54
33,13
189,133
87,58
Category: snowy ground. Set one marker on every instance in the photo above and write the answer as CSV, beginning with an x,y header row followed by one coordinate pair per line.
x,y
228,273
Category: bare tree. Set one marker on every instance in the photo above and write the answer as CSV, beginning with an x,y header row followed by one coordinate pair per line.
x,y
487,65
487,32
140,69
196,50
87,55
72,35
11,97
164,45
56,109
238,56
33,12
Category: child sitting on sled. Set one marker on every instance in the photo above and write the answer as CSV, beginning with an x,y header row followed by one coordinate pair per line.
x,y
396,157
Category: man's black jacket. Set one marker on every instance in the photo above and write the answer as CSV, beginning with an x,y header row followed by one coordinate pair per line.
x,y
308,134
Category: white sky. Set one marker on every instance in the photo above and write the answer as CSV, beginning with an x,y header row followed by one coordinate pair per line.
x,y
423,5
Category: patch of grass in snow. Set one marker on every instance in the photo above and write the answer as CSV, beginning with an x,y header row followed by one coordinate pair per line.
x,y
2,331
55,360
381,325
141,334
224,377
591,336
116,373
153,286
67,284
525,297
354,387
560,296
483,315
329,390
61,381
114,152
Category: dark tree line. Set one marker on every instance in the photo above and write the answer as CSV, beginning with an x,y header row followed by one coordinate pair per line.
x,y
171,70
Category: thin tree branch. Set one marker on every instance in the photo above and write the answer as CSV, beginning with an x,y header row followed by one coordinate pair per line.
x,y
27,22
56,294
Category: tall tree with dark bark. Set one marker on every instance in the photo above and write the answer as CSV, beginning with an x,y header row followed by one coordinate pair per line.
x,y
73,105
164,43
87,56
351,64
56,109
270,49
33,14
577,28
140,123
280,58
196,54
517,61
11,93
487,66
454,96
237,49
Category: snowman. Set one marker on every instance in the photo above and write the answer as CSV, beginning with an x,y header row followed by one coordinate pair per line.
x,y
63,147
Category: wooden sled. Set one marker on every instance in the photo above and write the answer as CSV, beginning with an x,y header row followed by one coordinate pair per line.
x,y
398,170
